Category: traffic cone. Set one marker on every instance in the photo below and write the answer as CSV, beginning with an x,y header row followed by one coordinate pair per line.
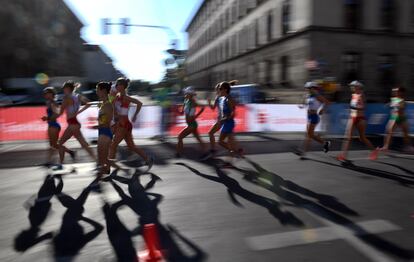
x,y
153,253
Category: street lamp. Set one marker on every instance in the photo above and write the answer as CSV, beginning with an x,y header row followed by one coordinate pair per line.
x,y
125,25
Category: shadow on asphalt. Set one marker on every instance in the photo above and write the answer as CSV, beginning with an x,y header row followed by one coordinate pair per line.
x,y
403,180
71,237
234,188
327,208
145,205
38,212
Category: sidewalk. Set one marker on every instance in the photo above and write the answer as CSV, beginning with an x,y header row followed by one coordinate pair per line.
x,y
36,145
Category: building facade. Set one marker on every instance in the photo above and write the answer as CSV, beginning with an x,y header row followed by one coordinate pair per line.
x,y
39,37
98,65
284,43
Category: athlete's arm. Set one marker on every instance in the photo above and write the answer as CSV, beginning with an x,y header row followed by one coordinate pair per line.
x,y
83,99
232,105
214,105
86,106
201,109
65,103
55,110
324,101
302,103
139,106
87,103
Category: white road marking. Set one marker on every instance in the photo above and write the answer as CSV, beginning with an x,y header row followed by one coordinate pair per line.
x,y
331,232
7,149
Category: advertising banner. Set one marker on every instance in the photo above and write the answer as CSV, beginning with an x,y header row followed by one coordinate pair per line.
x,y
376,114
24,123
147,123
206,120
278,118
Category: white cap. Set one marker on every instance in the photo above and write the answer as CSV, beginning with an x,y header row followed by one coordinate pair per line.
x,y
189,90
311,84
356,83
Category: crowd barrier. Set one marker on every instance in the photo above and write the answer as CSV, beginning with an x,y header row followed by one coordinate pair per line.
x,y
24,123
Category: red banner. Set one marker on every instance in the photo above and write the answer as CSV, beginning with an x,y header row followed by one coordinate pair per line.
x,y
24,123
207,119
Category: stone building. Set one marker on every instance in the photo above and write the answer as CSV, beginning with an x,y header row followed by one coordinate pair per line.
x,y
283,43
39,37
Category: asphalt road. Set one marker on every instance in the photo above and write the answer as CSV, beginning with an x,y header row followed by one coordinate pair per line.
x,y
272,206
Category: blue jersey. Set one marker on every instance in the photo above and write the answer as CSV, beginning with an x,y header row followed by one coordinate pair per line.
x,y
224,107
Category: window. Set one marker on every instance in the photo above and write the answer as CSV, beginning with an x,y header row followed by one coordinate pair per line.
x,y
412,71
234,14
352,14
388,17
284,67
269,72
286,16
256,33
269,27
228,47
386,72
251,4
352,67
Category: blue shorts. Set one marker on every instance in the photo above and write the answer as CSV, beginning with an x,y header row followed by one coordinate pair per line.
x,y
313,119
54,124
105,131
228,126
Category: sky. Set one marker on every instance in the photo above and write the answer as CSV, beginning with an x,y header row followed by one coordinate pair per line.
x,y
141,53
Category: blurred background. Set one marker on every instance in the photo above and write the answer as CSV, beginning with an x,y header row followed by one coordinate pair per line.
x,y
271,204
271,47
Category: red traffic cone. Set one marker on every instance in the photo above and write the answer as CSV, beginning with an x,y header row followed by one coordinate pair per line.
x,y
153,253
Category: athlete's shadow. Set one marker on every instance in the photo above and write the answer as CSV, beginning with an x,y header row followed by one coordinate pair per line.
x,y
38,213
323,210
400,168
145,205
289,190
234,188
71,237
401,179
119,236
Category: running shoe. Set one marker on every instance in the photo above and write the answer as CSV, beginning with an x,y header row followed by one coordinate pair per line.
x,y
374,154
47,165
326,146
58,167
341,158
72,155
384,150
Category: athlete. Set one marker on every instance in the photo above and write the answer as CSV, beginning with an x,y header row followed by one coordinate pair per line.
x,y
357,120
218,124
123,126
189,109
397,119
105,135
315,103
71,104
53,130
227,107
